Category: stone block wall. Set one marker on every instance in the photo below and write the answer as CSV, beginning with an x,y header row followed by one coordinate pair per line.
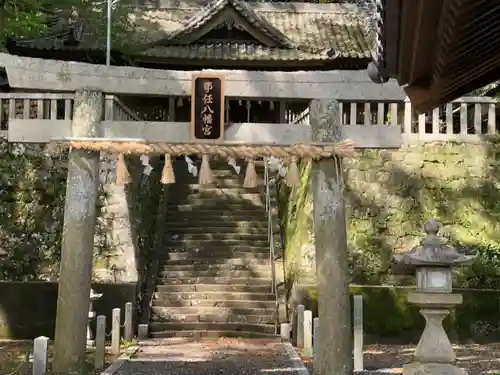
x,y
390,194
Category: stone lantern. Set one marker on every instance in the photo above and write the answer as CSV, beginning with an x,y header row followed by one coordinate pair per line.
x,y
93,297
433,261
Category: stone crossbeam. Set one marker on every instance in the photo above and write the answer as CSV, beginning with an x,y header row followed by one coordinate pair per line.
x,y
363,136
52,75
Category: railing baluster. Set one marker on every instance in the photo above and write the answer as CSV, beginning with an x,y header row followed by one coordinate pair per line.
x,y
421,123
449,118
39,109
67,109
477,119
354,114
368,114
463,118
394,113
380,113
408,119
26,109
53,109
492,119
435,121
12,108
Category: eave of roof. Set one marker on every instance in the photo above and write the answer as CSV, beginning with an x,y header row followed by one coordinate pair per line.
x,y
442,49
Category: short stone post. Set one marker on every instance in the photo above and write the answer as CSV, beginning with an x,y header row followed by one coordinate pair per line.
x,y
93,297
127,329
358,332
142,331
307,352
100,342
300,326
285,330
315,340
432,261
115,332
40,355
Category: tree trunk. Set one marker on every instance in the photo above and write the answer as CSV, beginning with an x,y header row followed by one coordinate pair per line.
x,y
335,335
75,273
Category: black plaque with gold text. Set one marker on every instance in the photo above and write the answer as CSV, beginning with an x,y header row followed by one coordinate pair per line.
x,y
207,107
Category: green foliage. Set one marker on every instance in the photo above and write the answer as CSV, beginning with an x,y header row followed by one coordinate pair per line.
x,y
30,18
32,191
476,318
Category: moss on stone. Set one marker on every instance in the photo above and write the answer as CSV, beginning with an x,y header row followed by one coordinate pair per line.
x,y
390,194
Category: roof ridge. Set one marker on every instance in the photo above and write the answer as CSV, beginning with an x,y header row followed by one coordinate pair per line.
x,y
205,14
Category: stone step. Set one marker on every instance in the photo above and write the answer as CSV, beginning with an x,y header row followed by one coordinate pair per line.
x,y
214,318
259,281
213,288
235,304
212,296
219,216
197,335
216,204
222,253
223,224
163,312
261,273
223,184
216,266
201,243
189,229
232,194
215,236
208,326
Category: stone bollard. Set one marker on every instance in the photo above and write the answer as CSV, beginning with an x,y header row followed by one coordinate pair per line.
x,y
115,332
432,261
40,355
100,342
308,334
127,329
142,331
315,340
285,330
93,297
300,326
358,332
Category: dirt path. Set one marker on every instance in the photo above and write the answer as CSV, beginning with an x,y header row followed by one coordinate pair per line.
x,y
222,357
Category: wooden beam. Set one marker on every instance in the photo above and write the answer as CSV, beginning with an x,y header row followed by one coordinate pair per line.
x,y
364,136
53,75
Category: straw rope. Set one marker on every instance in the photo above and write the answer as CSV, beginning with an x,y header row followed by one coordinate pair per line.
x,y
343,148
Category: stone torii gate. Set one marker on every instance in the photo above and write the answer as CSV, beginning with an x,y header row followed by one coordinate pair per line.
x,y
88,131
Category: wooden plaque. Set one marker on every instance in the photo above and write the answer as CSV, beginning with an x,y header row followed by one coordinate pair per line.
x,y
207,107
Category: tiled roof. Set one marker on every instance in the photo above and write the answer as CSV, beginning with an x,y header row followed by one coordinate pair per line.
x,y
289,31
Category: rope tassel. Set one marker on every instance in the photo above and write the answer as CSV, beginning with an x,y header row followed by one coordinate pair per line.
x,y
122,174
251,178
167,174
206,177
293,174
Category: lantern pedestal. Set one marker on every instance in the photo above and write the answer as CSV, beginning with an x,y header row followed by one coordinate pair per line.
x,y
432,262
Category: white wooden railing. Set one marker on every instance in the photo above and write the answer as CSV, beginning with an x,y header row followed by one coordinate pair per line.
x,y
468,119
48,106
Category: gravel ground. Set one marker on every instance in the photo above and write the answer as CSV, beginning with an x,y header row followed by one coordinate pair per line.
x,y
221,357
478,359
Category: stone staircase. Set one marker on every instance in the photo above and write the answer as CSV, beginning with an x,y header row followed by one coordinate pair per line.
x,y
215,275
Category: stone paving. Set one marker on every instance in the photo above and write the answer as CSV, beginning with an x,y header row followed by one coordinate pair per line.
x,y
222,357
